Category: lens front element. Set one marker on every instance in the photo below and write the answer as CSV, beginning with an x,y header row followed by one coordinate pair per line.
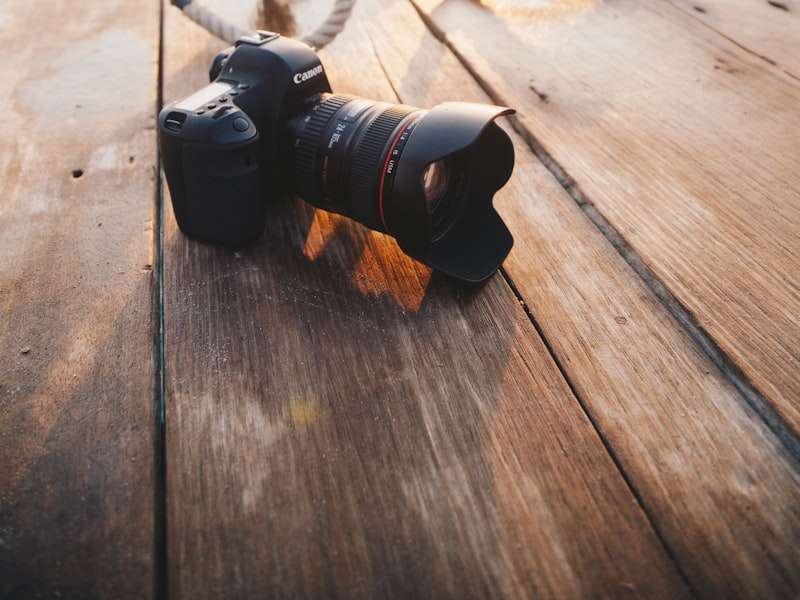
x,y
443,181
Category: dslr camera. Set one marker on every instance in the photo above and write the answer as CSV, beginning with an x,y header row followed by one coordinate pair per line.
x,y
268,125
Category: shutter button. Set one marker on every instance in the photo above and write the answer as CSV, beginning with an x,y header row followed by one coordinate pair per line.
x,y
240,124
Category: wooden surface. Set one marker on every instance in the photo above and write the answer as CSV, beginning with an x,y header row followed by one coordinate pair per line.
x,y
615,414
398,436
680,202
77,368
766,29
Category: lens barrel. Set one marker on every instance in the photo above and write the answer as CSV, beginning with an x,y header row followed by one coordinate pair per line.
x,y
338,151
425,177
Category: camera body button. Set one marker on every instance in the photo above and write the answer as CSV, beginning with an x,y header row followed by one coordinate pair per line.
x,y
240,124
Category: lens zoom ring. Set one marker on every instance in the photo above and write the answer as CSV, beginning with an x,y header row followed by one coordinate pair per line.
x,y
310,138
366,168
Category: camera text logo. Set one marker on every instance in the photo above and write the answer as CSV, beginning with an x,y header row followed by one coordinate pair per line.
x,y
306,75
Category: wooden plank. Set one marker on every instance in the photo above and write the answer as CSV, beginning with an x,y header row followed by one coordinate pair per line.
x,y
341,423
768,28
683,148
77,158
697,455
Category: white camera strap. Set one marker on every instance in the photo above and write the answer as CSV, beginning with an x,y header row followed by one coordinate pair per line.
x,y
322,35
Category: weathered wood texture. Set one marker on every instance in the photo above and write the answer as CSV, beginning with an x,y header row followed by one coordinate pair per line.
x,y
666,412
768,28
293,470
341,423
77,159
683,147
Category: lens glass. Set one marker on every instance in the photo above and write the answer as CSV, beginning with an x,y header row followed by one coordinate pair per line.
x,y
434,179
442,182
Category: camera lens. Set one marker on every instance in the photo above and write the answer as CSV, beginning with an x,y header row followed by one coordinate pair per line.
x,y
425,177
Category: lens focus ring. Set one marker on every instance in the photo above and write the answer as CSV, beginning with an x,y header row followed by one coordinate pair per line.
x,y
310,138
367,167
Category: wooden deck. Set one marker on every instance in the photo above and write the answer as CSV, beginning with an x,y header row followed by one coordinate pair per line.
x,y
614,414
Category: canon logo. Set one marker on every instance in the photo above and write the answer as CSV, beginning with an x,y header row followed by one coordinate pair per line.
x,y
306,75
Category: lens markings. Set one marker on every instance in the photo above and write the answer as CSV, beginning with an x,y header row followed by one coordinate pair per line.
x,y
388,167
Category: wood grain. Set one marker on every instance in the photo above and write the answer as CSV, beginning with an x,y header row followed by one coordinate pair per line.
x,y
682,434
342,423
706,207
768,29
77,159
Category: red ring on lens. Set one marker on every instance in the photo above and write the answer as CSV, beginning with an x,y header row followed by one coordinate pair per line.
x,y
382,187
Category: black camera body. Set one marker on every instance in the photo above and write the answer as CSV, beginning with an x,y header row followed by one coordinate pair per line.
x,y
268,124
219,146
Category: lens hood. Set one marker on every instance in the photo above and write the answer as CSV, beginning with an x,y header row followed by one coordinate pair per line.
x,y
475,241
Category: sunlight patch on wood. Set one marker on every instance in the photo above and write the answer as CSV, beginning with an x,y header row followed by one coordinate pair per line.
x,y
318,235
381,268
379,272
540,8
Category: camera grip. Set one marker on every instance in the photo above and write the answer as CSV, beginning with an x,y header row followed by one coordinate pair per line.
x,y
212,168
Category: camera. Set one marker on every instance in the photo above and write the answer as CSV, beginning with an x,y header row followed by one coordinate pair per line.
x,y
269,124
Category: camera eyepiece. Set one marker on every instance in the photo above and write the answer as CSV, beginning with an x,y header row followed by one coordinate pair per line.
x,y
425,177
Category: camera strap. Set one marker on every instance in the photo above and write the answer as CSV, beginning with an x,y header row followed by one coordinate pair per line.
x,y
216,25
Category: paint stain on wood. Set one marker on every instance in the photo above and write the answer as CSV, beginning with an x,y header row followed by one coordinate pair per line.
x,y
542,96
726,67
780,5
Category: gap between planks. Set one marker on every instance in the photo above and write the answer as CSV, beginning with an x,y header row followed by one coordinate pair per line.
x,y
643,506
616,466
754,398
565,182
159,397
